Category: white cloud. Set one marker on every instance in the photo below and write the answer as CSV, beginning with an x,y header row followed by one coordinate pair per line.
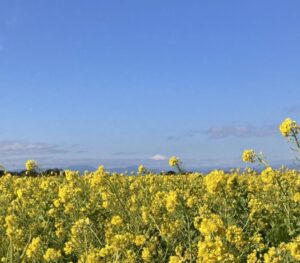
x,y
159,157
241,131
221,132
25,148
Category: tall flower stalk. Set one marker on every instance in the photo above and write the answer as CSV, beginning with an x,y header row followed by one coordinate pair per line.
x,y
176,162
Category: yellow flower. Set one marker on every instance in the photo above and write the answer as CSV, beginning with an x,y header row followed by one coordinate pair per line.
x,y
174,161
92,257
31,165
33,247
140,240
146,255
141,169
116,220
130,256
252,257
211,225
214,180
105,251
101,169
10,223
213,251
56,203
71,175
59,229
287,127
296,197
234,235
52,255
294,248
171,201
68,248
249,156
69,208
191,201
175,259
20,193
145,215
51,212
178,250
105,202
272,256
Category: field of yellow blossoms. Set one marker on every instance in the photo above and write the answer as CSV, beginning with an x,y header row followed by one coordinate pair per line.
x,y
102,217
240,216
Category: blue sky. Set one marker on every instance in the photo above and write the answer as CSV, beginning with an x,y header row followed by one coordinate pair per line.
x,y
129,82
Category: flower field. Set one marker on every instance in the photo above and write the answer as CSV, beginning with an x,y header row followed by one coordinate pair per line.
x,y
102,217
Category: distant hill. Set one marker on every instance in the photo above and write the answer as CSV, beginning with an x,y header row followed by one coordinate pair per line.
x,y
80,168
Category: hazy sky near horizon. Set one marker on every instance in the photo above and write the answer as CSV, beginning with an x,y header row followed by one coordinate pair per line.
x,y
124,82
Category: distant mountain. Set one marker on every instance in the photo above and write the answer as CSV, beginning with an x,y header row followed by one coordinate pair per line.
x,y
81,168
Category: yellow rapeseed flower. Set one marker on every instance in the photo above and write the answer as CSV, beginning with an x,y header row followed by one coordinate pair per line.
x,y
294,248
31,165
146,255
140,240
33,247
175,259
287,127
249,156
211,225
174,161
52,255
171,201
141,169
68,248
234,235
116,220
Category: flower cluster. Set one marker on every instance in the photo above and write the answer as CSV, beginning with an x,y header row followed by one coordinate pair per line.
x,y
249,156
31,165
174,161
288,127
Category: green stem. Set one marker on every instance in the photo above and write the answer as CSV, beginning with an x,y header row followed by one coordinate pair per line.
x,y
190,243
263,161
296,139
179,169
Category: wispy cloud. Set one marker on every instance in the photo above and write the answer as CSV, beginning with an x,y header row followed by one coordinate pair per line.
x,y
27,148
221,132
241,131
158,157
186,135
